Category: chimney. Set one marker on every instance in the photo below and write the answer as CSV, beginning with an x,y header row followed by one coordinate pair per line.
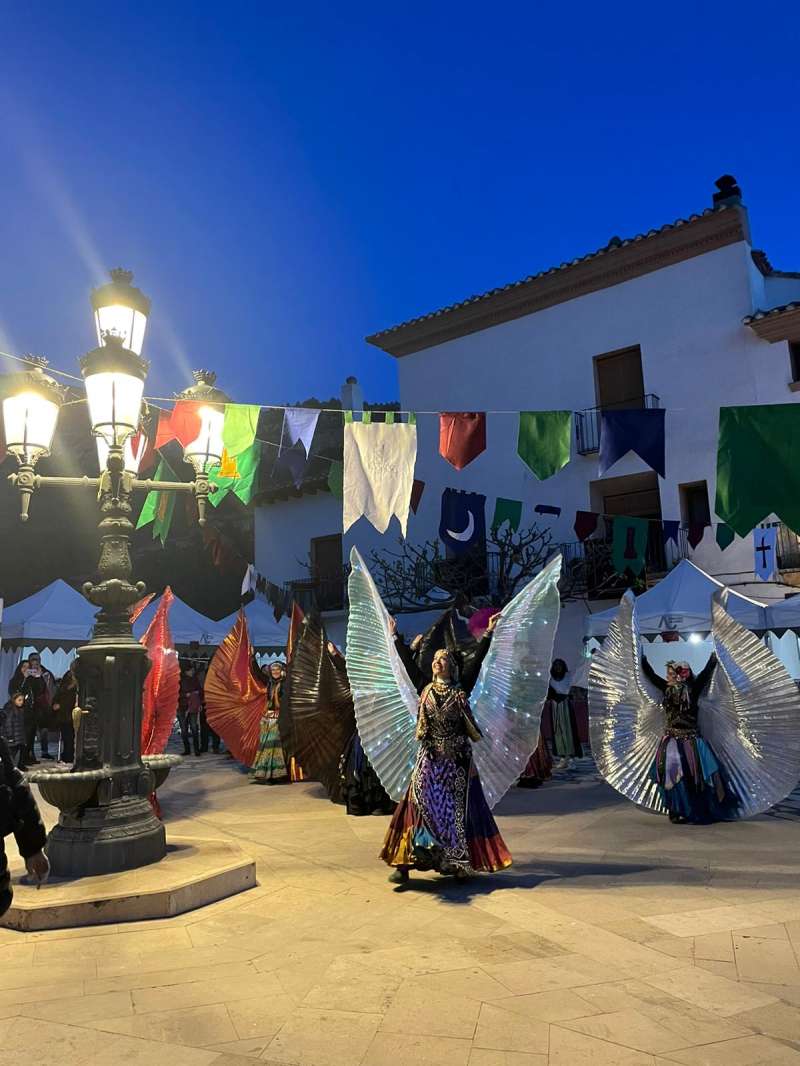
x,y
729,191
352,396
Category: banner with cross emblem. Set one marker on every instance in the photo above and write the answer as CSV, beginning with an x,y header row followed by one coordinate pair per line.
x,y
764,543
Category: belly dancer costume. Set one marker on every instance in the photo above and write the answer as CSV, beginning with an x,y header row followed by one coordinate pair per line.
x,y
722,745
421,742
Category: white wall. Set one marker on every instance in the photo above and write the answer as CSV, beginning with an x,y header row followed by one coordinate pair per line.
x,y
780,291
696,356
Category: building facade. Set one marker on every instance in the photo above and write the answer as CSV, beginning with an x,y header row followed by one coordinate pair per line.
x,y
688,317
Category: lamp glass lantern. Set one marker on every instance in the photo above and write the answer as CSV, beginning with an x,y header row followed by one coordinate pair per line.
x,y
122,310
114,372
30,413
205,451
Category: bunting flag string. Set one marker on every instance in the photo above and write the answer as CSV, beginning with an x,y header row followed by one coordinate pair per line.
x,y
462,436
724,536
507,511
379,461
544,441
757,470
159,506
764,544
640,431
462,526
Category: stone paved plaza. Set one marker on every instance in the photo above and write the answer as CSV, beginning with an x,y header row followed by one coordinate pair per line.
x,y
616,939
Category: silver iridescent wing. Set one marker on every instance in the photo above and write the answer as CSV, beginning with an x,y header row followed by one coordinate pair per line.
x,y
750,715
626,720
512,685
384,699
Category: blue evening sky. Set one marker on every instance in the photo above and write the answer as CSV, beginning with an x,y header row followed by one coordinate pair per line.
x,y
286,178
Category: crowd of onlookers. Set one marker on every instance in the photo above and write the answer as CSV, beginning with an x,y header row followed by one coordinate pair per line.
x,y
39,707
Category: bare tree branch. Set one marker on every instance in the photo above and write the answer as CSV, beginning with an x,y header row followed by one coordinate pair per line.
x,y
407,578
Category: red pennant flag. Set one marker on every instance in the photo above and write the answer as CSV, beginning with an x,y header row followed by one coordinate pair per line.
x,y
160,691
696,533
182,425
585,524
462,436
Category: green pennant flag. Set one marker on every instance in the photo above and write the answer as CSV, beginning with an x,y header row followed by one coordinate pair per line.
x,y
507,511
237,474
336,479
545,440
239,427
757,469
159,506
725,536
629,544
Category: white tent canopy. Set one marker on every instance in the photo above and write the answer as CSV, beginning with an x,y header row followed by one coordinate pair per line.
x,y
785,614
186,624
265,632
56,617
681,603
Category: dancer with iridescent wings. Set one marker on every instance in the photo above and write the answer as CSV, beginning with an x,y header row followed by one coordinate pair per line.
x,y
721,745
421,743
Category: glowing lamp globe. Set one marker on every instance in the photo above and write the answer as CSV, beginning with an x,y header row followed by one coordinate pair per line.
x,y
114,378
205,451
122,310
30,411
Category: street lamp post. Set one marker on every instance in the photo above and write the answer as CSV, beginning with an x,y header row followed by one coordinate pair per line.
x,y
106,822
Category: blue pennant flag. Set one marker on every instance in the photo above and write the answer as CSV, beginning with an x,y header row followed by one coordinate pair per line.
x,y
764,544
670,530
640,430
463,523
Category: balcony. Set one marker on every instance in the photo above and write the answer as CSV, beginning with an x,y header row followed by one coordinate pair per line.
x,y
587,423
588,571
322,593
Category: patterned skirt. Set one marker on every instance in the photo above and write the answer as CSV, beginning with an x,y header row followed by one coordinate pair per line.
x,y
691,782
270,765
444,823
539,768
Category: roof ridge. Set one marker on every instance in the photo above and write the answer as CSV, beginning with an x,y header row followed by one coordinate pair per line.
x,y
615,244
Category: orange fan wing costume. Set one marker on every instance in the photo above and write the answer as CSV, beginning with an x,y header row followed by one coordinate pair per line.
x,y
160,691
235,698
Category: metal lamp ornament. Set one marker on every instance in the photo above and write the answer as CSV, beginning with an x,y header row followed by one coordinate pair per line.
x,y
106,822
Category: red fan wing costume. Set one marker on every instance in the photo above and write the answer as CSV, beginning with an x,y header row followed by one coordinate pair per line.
x,y
235,699
160,691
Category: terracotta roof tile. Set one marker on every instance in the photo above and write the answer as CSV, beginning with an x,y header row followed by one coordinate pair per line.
x,y
614,244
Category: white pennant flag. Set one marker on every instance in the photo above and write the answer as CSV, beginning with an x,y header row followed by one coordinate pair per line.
x,y
379,460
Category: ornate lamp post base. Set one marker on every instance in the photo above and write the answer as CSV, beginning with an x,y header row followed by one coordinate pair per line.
x,y
103,840
107,823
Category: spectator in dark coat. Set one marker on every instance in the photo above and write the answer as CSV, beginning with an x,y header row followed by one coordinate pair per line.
x,y
64,702
19,815
12,728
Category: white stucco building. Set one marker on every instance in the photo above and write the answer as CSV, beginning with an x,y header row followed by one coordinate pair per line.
x,y
688,317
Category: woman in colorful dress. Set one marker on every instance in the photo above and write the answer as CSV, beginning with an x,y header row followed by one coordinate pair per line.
x,y
270,766
444,822
690,780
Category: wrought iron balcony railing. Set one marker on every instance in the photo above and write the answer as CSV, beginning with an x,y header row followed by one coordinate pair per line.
x,y
587,423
